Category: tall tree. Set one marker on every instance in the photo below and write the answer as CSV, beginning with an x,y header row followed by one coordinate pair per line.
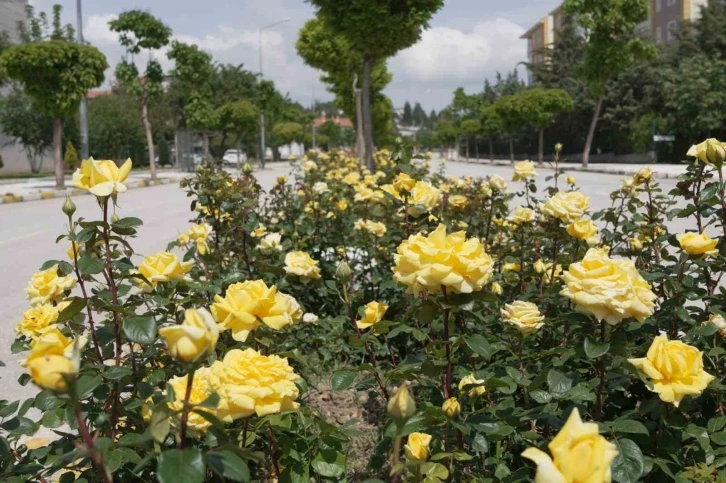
x,y
512,116
419,115
26,125
491,125
140,30
407,117
239,117
377,30
540,106
608,29
471,128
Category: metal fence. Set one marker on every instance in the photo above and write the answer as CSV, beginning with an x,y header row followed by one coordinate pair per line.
x,y
188,150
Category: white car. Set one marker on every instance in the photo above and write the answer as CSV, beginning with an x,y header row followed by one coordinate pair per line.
x,y
230,156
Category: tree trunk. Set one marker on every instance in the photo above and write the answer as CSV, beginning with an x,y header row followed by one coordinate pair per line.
x,y
149,137
366,111
467,149
58,153
541,147
239,149
491,150
476,148
511,149
205,142
359,143
591,133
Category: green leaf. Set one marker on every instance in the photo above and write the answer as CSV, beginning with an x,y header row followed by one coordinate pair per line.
x,y
181,466
542,397
342,380
629,426
480,444
117,372
46,401
86,385
479,345
719,438
141,330
716,424
558,383
228,465
629,464
159,424
329,463
8,409
74,308
593,349
128,222
88,265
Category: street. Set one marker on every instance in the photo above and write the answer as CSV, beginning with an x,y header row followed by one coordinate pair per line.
x,y
29,230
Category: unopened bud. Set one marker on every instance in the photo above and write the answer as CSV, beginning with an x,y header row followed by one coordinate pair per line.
x,y
496,288
402,405
247,169
69,207
114,218
558,147
451,408
343,272
715,152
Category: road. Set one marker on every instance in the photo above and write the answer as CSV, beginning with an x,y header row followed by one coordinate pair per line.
x,y
29,230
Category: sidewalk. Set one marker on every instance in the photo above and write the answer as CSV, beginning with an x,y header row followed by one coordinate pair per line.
x,y
661,171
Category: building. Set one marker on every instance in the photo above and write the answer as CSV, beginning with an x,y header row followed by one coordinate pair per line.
x,y
538,38
341,121
666,15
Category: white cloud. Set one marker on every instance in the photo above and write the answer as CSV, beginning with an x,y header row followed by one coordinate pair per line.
x,y
97,32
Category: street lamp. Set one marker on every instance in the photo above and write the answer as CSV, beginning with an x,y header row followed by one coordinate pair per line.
x,y
82,111
263,147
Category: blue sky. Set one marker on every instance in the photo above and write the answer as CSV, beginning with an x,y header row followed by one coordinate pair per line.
x,y
469,40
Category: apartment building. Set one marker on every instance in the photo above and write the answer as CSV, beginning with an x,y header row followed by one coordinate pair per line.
x,y
666,15
538,37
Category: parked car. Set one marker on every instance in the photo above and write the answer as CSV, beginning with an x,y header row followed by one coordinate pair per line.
x,y
230,157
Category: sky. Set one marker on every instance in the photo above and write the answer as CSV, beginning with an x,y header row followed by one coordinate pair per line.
x,y
468,41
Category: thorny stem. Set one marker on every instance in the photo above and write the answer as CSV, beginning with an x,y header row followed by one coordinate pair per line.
x,y
273,450
185,408
489,220
601,372
723,201
244,432
396,451
652,220
697,201
674,319
88,439
447,380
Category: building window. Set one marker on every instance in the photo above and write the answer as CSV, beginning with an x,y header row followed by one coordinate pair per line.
x,y
658,35
672,26
658,6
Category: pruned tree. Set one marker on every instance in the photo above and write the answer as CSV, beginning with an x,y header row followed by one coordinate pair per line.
x,y
491,125
471,128
540,106
240,118
512,117
140,30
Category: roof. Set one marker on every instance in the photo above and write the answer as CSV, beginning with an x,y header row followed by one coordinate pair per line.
x,y
341,121
534,28
558,10
99,93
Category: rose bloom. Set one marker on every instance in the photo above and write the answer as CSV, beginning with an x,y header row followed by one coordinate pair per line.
x,y
719,322
199,233
342,205
441,260
320,187
566,206
579,455
301,264
524,316
609,289
102,178
471,380
698,244
458,202
281,180
161,268
271,241
53,357
424,198
451,408
711,151
675,369
364,193
309,166
201,390
524,170
182,239
635,244
37,318
402,405
570,180
250,383
259,232
403,183
511,267
582,229
245,304
352,178
47,287
374,312
496,288
194,338
374,227
496,182
417,447
522,215
643,175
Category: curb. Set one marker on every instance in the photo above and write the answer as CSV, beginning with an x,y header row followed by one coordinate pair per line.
x,y
566,168
47,195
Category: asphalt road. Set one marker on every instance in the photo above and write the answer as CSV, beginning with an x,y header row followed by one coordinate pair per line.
x,y
28,231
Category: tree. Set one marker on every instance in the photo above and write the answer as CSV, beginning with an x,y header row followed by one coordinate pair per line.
x,y
140,30
28,126
540,106
610,46
288,132
377,30
116,132
164,153
511,115
491,125
446,133
239,117
407,118
56,75
71,157
332,131
419,115
471,128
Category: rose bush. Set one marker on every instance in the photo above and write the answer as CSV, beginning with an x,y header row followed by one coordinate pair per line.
x,y
486,332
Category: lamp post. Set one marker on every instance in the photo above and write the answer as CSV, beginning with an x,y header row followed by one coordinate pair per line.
x,y
263,146
83,110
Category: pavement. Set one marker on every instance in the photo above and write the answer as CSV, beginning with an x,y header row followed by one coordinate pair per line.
x,y
29,230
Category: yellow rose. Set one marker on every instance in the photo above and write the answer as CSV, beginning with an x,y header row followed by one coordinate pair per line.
x,y
417,447
719,322
496,288
579,455
524,170
309,166
566,207
675,369
259,232
522,215
451,408
374,227
524,316
271,241
250,383
496,182
194,338
199,233
424,198
200,392
610,289
430,263
570,180
546,270
37,318
161,268
698,244
636,244
582,229
471,380
373,314
402,405
511,267
643,175
183,239
711,151
102,178
281,180
302,265
342,205
458,202
320,187
245,304
52,358
47,287
404,183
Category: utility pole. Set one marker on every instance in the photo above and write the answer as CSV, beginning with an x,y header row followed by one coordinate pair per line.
x,y
263,145
83,110
315,116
